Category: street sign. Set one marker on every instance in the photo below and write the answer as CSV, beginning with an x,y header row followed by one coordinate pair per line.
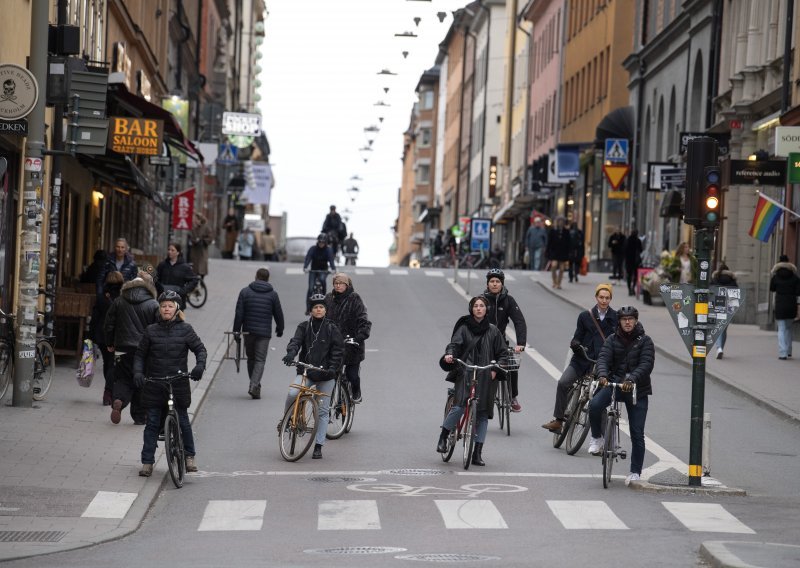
x,y
241,124
481,235
616,173
673,178
723,303
228,155
160,160
616,150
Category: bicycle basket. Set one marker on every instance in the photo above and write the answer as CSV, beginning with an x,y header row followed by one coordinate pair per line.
x,y
510,361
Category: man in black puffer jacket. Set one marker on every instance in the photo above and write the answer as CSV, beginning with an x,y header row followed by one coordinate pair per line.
x,y
164,351
258,303
125,322
627,356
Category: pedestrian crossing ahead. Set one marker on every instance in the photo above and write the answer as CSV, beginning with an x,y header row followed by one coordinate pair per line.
x,y
476,514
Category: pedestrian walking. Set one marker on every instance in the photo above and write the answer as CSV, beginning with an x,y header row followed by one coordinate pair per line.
x,y
258,304
164,351
786,285
114,282
723,277
633,259
616,243
536,243
558,251
350,250
269,245
246,244
230,228
346,309
127,318
200,239
121,260
174,273
577,248
683,265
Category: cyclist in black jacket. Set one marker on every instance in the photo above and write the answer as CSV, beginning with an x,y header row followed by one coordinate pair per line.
x,y
500,307
318,258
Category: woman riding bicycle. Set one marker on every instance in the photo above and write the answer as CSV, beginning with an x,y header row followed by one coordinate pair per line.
x,y
476,342
164,351
318,342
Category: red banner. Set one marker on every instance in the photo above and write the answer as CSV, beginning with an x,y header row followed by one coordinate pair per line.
x,y
183,209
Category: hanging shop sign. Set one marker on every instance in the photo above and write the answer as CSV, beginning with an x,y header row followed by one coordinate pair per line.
x,y
182,210
241,124
748,172
724,141
136,135
19,94
14,127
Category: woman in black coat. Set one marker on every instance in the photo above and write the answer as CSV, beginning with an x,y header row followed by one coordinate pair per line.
x,y
786,285
476,342
111,290
173,273
558,246
163,351
633,259
346,309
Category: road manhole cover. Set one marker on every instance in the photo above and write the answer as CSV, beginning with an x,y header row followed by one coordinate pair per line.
x,y
446,558
335,479
356,550
415,472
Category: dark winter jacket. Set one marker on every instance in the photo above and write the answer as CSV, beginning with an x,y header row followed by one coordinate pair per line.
x,y
324,349
558,243
502,307
348,312
577,246
130,314
535,238
490,347
633,252
178,277
786,285
257,305
319,258
99,311
587,335
333,224
636,361
724,278
128,269
616,242
164,350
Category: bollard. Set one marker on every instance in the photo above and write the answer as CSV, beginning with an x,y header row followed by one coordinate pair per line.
x,y
706,444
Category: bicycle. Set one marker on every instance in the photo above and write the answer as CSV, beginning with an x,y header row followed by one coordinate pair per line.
x,y
319,281
343,407
173,439
301,418
197,297
611,447
503,396
467,425
575,426
350,258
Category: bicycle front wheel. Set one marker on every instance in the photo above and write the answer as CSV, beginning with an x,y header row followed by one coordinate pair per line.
x,y
505,387
351,409
572,405
578,427
451,439
469,434
43,369
609,449
197,297
339,412
6,367
298,430
173,447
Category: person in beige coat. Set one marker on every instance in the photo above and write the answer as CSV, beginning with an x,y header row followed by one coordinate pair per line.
x,y
200,238
269,245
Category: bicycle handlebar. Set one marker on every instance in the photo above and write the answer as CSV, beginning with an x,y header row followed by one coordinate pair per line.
x,y
584,354
306,366
619,385
491,365
168,378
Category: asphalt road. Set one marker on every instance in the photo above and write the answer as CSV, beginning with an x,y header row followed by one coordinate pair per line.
x,y
382,496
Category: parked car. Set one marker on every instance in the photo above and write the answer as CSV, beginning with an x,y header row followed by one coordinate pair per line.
x,y
297,247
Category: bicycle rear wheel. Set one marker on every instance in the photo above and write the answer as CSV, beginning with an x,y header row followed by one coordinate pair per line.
x,y
578,427
6,367
339,411
351,408
469,434
296,436
173,447
43,369
451,439
505,386
609,449
572,405
197,297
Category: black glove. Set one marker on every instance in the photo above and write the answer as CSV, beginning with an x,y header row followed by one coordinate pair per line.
x,y
627,386
575,346
331,374
288,360
237,337
279,333
197,373
138,380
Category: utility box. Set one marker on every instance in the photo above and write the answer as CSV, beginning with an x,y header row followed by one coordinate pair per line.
x,y
87,130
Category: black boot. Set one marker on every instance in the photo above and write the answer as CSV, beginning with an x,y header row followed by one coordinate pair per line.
x,y
442,446
476,454
317,455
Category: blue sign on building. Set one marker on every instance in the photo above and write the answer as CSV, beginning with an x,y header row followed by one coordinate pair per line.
x,y
228,155
480,235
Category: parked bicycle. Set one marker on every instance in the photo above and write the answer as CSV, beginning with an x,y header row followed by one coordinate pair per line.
x,y
173,439
297,429
503,397
611,447
575,426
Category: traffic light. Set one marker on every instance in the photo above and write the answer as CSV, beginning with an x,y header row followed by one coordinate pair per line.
x,y
712,197
492,176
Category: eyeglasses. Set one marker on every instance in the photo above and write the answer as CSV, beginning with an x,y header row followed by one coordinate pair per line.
x,y
628,319
340,283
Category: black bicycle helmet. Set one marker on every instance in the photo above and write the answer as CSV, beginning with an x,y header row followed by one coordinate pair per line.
x,y
317,299
496,273
627,312
322,238
170,295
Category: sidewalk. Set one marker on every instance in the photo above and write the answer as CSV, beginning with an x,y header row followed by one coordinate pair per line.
x,y
750,365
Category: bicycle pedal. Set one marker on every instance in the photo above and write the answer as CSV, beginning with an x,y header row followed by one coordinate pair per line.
x,y
623,454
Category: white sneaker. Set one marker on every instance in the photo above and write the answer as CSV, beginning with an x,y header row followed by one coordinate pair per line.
x,y
596,446
719,353
631,477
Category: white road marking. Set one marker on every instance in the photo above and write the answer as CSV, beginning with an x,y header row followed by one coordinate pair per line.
x,y
348,515
109,505
364,271
398,272
470,514
233,515
706,517
586,515
438,273
294,270
509,278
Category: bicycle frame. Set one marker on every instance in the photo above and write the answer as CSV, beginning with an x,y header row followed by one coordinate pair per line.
x,y
176,462
611,449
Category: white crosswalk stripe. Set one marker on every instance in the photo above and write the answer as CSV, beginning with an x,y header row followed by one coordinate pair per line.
x,y
364,271
294,270
348,515
470,514
438,273
398,272
707,517
233,515
109,505
585,515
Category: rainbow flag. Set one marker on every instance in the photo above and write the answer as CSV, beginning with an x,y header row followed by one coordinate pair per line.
x,y
768,213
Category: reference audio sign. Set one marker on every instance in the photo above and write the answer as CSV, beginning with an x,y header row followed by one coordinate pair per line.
x,y
136,135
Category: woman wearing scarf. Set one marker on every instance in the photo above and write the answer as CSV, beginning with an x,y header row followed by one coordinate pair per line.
x,y
476,342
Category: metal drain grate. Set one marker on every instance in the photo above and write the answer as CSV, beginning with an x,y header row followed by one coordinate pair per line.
x,y
446,558
335,479
415,472
356,550
31,536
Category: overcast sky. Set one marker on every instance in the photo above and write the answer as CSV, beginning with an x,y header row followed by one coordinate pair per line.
x,y
320,85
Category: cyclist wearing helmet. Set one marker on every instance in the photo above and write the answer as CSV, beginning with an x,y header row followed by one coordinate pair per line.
x,y
500,307
318,342
627,356
163,351
318,258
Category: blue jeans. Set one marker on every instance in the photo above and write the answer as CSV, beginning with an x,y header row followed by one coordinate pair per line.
x,y
153,426
452,418
723,337
637,415
325,387
535,258
785,337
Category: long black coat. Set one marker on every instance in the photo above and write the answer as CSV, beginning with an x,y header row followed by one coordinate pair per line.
x,y
347,311
587,335
616,361
502,307
326,350
558,244
130,314
633,252
257,305
490,347
164,350
178,277
786,285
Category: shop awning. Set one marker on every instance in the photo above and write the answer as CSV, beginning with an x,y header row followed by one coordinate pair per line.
x,y
513,207
619,123
118,170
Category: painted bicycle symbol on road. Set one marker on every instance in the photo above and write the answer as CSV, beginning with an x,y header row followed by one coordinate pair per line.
x,y
471,490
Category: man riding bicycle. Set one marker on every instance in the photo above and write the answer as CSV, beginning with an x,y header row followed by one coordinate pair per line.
x,y
334,228
318,258
627,355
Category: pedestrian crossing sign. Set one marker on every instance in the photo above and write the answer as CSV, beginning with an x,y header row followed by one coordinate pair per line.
x,y
616,150
228,155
